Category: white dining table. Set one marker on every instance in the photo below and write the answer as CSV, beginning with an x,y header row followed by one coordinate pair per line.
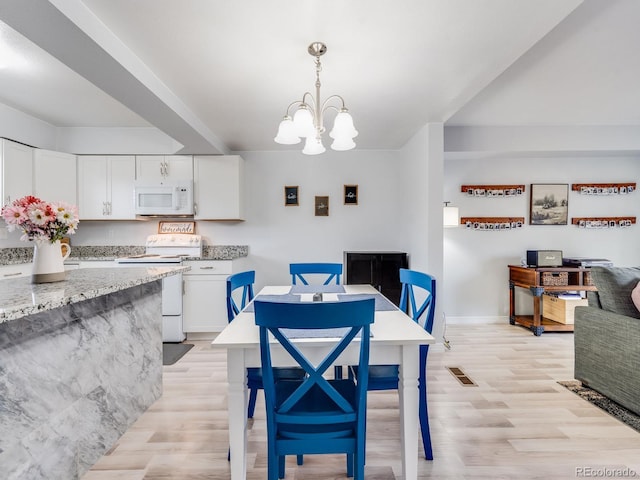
x,y
395,339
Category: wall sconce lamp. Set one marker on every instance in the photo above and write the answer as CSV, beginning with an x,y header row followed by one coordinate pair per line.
x,y
450,216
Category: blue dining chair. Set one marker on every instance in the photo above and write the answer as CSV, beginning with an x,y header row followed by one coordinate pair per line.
x,y
298,270
315,415
245,280
385,377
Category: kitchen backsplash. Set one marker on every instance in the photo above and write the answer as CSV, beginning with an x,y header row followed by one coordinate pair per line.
x,y
11,256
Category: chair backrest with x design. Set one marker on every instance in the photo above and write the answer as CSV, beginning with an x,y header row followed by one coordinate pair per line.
x,y
298,270
244,280
315,414
410,279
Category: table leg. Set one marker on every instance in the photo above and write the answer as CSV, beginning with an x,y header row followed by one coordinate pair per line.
x,y
237,408
537,328
408,393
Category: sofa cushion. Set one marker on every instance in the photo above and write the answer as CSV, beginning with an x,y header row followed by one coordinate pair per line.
x,y
615,285
635,296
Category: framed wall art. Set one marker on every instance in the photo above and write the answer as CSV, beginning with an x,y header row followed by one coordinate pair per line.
x,y
322,206
351,194
291,196
549,204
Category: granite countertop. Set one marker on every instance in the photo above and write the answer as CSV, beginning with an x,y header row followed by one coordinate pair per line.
x,y
20,298
81,253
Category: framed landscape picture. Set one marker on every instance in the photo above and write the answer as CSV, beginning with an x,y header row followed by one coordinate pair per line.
x,y
291,196
549,204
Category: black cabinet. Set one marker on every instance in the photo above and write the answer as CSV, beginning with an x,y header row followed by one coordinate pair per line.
x,y
380,269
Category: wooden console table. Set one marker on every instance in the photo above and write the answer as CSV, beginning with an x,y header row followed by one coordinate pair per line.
x,y
531,278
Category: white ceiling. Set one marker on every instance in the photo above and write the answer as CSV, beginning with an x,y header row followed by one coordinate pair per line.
x,y
217,75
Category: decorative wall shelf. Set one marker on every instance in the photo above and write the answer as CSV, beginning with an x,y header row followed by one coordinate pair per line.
x,y
603,222
604,188
492,190
492,223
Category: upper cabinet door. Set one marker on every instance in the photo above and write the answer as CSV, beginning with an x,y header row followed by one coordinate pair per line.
x,y
16,172
55,176
122,173
105,187
218,187
92,187
163,168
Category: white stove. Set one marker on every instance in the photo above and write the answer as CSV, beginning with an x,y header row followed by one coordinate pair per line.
x,y
166,250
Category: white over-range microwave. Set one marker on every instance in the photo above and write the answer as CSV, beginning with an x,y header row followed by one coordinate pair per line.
x,y
168,199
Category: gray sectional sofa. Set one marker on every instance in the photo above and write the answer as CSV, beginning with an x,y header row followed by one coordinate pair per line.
x,y
607,337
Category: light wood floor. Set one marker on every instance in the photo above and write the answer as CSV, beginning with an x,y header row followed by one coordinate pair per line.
x,y
517,423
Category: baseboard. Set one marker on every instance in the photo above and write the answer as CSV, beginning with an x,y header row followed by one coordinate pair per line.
x,y
452,320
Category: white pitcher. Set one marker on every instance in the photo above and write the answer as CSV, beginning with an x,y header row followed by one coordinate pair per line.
x,y
48,261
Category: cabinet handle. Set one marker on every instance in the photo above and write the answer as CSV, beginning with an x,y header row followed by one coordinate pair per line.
x,y
12,274
207,268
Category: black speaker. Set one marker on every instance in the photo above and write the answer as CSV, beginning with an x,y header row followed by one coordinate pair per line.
x,y
544,258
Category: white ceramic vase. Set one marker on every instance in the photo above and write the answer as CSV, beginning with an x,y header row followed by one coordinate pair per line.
x,y
48,261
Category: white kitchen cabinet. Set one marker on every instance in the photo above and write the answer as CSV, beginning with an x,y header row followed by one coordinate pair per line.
x,y
204,307
16,161
163,168
105,187
54,176
218,187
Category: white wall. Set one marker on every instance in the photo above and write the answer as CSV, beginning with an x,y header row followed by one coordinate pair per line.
x,y
475,262
20,127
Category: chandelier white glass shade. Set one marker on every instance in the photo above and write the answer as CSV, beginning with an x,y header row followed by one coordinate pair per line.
x,y
308,118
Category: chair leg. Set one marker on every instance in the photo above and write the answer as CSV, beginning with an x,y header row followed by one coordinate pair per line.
x,y
337,372
424,421
253,395
281,459
300,459
359,462
349,465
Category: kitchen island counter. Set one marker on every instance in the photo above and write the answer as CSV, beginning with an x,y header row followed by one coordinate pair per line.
x,y
19,297
81,360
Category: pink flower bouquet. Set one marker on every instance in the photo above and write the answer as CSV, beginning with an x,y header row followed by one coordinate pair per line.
x,y
40,220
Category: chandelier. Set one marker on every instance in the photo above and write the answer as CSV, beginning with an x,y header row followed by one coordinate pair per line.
x,y
308,120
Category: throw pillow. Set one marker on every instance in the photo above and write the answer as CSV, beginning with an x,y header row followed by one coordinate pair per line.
x,y
615,285
635,296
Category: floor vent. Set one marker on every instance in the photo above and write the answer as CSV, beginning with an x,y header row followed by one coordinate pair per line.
x,y
462,377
